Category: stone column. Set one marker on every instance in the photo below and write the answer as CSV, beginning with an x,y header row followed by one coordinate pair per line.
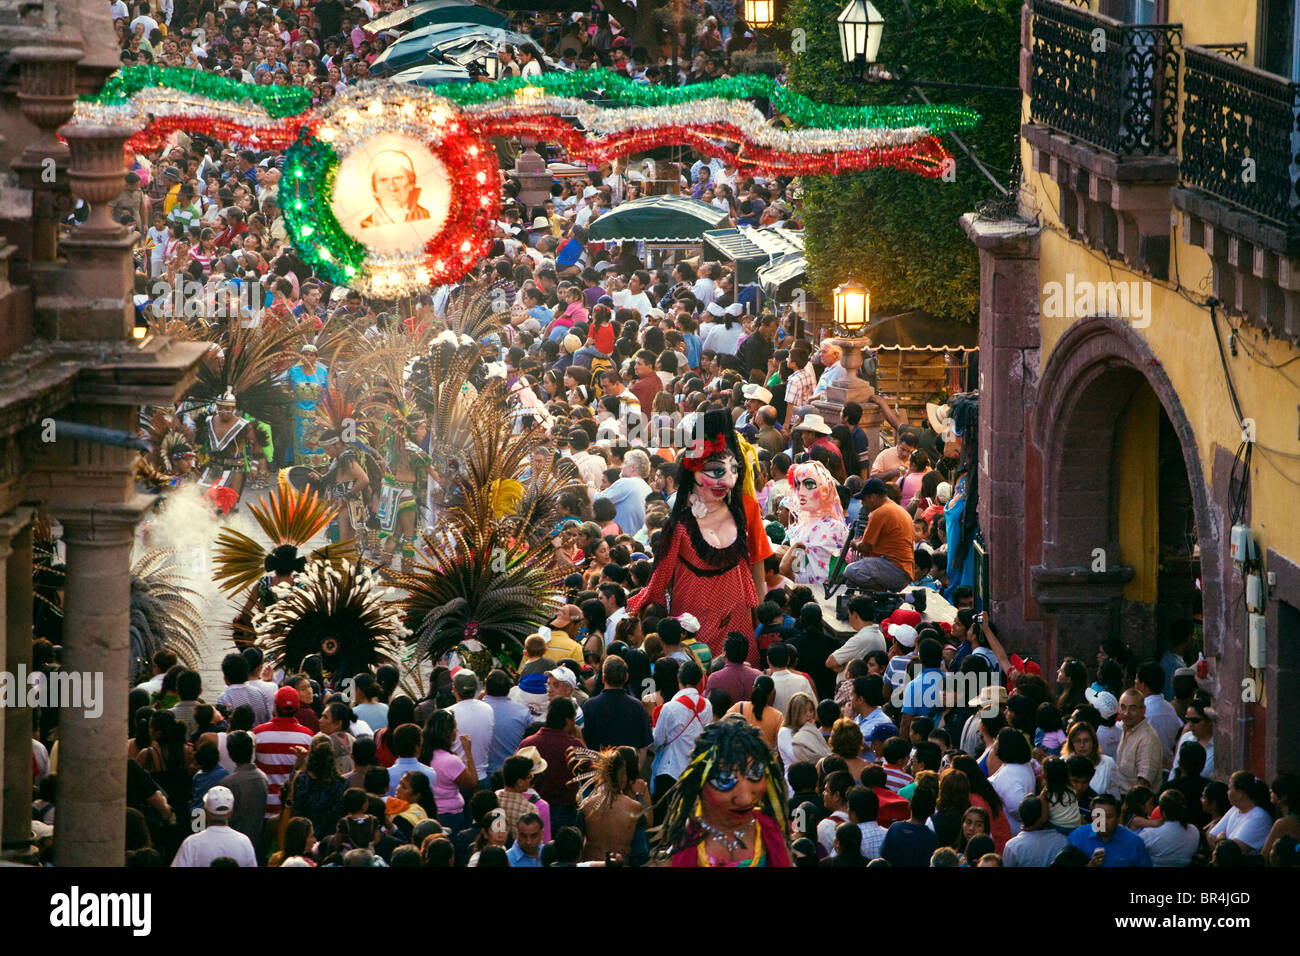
x,y
16,812
47,94
95,301
1009,474
92,750
534,180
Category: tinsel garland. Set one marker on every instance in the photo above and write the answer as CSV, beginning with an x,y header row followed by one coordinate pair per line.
x,y
802,111
126,83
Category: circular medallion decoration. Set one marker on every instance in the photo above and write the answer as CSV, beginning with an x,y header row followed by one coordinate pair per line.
x,y
391,192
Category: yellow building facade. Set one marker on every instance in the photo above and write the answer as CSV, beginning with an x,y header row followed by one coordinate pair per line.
x,y
1140,370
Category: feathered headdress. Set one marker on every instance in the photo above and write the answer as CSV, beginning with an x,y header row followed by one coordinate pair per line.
x,y
287,517
494,591
336,613
600,778
727,745
246,365
165,613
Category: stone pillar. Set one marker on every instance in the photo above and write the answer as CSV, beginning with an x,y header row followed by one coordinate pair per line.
x,y
47,93
95,300
1009,473
16,812
92,750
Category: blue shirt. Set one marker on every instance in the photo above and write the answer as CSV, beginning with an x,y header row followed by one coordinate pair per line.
x,y
402,766
512,720
518,857
924,693
628,498
1124,848
694,346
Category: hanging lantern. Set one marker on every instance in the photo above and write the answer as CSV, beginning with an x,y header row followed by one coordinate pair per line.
x,y
861,27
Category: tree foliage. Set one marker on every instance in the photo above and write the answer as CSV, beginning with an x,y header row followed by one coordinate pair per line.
x,y
896,231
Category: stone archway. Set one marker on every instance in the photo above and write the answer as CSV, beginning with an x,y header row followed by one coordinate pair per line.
x,y
1093,372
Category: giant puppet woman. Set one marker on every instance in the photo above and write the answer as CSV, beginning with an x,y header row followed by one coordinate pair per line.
x,y
702,556
817,534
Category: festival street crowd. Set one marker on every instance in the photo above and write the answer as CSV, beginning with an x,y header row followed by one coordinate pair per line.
x,y
692,694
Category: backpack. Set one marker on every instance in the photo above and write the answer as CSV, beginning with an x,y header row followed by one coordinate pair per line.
x,y
599,365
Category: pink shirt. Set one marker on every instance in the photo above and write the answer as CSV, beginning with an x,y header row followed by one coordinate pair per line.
x,y
446,793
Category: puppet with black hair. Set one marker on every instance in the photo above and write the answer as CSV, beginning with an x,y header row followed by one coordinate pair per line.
x,y
702,559
728,806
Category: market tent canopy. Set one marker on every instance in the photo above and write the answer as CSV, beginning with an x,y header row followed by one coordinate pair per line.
x,y
434,74
782,276
658,219
421,46
750,248
427,12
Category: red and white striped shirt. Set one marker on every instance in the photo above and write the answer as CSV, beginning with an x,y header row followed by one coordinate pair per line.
x,y
275,741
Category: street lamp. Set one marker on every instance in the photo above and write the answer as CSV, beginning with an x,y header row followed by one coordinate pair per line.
x,y
852,308
861,27
760,14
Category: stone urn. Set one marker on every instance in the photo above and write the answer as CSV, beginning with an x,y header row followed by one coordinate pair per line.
x,y
97,173
47,92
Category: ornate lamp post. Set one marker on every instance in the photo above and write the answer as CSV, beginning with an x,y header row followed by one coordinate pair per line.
x,y
852,314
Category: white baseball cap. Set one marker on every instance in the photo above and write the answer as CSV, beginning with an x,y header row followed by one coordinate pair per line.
x,y
564,676
1104,701
219,800
905,634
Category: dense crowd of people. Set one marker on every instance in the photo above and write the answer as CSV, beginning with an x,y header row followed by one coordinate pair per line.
x,y
696,697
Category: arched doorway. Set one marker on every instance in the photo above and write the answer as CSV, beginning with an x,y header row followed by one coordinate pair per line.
x,y
1128,523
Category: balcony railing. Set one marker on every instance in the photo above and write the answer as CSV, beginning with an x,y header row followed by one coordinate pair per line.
x,y
1240,135
1111,84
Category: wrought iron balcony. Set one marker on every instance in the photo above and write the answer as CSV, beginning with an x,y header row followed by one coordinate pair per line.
x,y
1110,84
1239,136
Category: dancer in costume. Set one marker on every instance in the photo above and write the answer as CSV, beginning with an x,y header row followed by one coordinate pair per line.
x,y
398,504
728,806
307,379
614,802
336,613
818,532
244,567
345,484
702,564
959,422
233,446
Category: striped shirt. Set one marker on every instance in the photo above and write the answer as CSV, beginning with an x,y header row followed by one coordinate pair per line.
x,y
236,695
274,743
896,778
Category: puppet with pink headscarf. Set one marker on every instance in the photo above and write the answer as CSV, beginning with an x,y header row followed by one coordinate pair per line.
x,y
817,530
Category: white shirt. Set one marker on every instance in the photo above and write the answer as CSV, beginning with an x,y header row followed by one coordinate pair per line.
x,y
476,720
681,720
858,646
213,842
611,624
531,68
1171,844
150,24
626,300
826,830
1251,828
1166,723
788,683
118,10
1108,738
1012,783
704,290
1104,777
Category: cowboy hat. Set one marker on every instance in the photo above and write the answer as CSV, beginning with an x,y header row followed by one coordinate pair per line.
x,y
814,423
940,417
757,393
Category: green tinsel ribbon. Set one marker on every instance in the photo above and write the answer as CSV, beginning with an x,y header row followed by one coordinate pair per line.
x,y
799,108
278,101
320,240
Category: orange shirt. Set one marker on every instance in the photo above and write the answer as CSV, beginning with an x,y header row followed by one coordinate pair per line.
x,y
889,534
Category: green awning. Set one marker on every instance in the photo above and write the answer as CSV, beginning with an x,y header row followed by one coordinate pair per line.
x,y
425,12
658,219
783,275
750,248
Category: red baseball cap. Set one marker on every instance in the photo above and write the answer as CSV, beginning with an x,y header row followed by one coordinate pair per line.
x,y
286,698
